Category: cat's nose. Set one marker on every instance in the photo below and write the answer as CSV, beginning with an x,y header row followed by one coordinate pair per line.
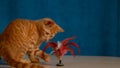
x,y
51,36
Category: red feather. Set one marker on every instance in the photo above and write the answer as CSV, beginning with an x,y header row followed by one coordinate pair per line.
x,y
63,50
67,39
64,47
50,44
73,44
71,51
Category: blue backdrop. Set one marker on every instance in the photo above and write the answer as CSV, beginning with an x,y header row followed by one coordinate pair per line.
x,y
96,23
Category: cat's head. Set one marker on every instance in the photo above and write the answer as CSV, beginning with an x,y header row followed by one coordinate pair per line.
x,y
48,28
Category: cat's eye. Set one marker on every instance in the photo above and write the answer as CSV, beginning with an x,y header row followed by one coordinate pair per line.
x,y
47,33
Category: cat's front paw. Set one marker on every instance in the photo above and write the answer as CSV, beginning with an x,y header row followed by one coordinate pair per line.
x,y
36,60
46,58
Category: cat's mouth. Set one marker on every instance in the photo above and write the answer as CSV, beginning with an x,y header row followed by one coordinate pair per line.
x,y
49,38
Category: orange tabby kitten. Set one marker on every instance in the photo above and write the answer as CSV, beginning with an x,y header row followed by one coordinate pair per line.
x,y
23,37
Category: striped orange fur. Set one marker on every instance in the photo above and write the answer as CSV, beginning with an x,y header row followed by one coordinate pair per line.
x,y
23,37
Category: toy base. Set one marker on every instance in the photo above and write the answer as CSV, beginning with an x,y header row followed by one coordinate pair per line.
x,y
59,64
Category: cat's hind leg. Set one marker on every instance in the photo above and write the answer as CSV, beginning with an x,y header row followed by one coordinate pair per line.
x,y
13,58
18,62
32,57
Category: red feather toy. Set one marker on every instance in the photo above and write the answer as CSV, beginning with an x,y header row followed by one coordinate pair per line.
x,y
61,48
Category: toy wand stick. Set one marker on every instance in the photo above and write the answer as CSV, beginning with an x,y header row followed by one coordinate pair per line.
x,y
60,62
60,59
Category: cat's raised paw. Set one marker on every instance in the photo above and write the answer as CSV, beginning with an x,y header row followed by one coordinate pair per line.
x,y
47,58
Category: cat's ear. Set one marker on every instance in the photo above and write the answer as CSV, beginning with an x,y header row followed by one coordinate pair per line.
x,y
60,29
48,22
